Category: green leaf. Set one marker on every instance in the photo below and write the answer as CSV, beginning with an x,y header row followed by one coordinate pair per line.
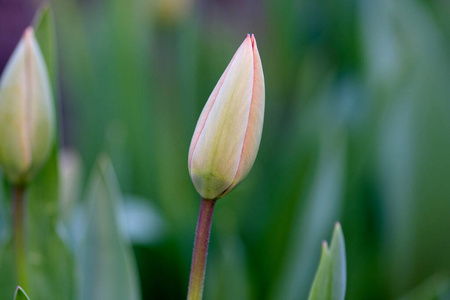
x,y
7,259
20,294
108,268
50,263
436,287
44,29
331,276
228,268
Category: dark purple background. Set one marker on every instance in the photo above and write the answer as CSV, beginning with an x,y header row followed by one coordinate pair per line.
x,y
15,16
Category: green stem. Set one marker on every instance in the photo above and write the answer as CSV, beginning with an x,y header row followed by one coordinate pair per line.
x,y
18,204
200,253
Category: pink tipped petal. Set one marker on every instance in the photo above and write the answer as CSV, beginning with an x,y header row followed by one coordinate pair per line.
x,y
28,33
255,121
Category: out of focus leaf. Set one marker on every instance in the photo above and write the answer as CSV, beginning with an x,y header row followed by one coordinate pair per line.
x,y
44,27
50,263
20,294
227,270
311,220
435,288
70,171
108,269
7,258
413,147
331,277
227,277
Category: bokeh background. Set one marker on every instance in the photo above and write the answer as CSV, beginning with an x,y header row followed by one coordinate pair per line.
x,y
357,129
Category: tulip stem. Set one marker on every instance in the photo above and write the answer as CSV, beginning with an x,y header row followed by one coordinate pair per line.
x,y
200,252
18,203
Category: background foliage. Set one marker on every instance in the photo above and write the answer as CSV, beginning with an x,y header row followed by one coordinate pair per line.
x,y
357,129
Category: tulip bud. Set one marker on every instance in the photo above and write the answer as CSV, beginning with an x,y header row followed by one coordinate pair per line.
x,y
228,132
26,112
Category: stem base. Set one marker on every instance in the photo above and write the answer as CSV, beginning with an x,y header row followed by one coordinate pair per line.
x,y
200,252
18,206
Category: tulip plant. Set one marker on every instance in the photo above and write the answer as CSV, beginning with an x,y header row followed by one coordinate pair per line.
x,y
225,143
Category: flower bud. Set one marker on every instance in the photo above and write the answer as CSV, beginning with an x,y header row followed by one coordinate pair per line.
x,y
26,112
228,132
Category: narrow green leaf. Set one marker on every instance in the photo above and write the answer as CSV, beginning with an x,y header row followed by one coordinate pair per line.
x,y
338,263
321,287
44,29
331,276
108,268
20,294
50,263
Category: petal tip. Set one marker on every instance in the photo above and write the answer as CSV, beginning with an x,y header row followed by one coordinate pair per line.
x,y
249,38
28,33
253,41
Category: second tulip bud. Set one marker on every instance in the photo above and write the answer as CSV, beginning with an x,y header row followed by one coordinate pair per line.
x,y
27,121
228,132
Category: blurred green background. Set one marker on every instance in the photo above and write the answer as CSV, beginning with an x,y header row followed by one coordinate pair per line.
x,y
357,129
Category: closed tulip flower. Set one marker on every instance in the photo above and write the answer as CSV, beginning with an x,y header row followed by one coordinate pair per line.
x,y
26,112
228,132
224,146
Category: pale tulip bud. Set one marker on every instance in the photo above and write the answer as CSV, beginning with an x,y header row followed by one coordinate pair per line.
x,y
27,121
228,132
